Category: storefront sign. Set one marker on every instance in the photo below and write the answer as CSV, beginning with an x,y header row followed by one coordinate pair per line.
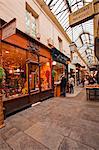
x,y
9,29
81,15
58,56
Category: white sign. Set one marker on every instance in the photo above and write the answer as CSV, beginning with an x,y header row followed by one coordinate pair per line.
x,y
9,29
72,47
81,15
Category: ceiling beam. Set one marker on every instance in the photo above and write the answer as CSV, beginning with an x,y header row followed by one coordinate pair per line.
x,y
68,6
50,2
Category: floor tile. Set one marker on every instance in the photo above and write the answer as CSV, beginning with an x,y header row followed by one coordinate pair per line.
x,y
20,122
68,144
5,146
85,136
45,135
22,141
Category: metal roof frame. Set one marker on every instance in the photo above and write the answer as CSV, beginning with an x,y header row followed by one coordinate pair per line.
x,y
62,15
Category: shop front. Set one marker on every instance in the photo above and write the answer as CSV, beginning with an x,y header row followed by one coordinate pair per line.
x,y
26,72
59,67
80,73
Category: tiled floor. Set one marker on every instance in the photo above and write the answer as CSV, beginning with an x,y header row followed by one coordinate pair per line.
x,y
55,124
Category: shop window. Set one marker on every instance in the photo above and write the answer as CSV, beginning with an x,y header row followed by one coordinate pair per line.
x,y
31,21
28,22
14,81
45,73
58,70
33,26
34,77
60,44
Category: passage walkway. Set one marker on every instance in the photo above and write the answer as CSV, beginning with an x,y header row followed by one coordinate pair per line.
x,y
55,124
77,90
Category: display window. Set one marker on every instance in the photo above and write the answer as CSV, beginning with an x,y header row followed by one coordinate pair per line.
x,y
58,70
45,73
23,72
14,81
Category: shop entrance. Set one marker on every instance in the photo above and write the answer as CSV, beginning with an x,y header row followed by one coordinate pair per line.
x,y
34,77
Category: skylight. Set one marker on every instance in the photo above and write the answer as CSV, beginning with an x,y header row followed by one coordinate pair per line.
x,y
81,34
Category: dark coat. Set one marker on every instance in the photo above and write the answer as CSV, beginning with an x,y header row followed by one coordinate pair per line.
x,y
63,82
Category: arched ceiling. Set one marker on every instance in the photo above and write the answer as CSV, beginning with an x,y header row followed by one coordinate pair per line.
x,y
81,34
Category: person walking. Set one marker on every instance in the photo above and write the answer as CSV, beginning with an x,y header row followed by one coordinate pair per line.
x,y
71,83
63,85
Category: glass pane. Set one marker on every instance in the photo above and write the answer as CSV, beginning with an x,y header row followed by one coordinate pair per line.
x,y
58,71
33,26
33,77
45,73
57,5
28,22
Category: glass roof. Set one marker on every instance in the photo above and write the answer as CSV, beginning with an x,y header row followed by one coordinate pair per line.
x,y
81,34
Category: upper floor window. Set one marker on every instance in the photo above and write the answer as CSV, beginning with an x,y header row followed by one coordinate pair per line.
x,y
60,44
31,21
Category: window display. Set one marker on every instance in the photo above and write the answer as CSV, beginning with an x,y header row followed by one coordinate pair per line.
x,y
14,64
58,70
45,73
23,72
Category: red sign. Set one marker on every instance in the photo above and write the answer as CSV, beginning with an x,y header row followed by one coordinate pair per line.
x,y
9,29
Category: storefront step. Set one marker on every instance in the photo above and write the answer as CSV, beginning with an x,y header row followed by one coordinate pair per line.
x,y
16,110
